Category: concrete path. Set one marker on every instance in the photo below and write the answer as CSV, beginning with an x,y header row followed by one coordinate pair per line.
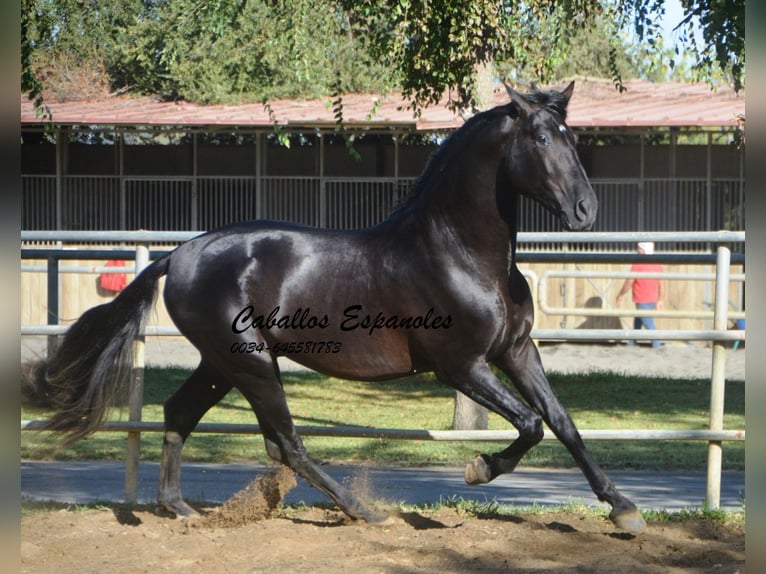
x,y
89,482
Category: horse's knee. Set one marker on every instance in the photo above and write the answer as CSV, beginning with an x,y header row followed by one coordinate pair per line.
x,y
532,430
172,438
178,420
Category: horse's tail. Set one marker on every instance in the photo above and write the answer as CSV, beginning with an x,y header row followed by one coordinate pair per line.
x,y
93,364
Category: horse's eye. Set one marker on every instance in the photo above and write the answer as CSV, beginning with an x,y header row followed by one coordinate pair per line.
x,y
543,139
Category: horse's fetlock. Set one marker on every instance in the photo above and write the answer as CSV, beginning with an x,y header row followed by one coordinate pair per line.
x,y
274,452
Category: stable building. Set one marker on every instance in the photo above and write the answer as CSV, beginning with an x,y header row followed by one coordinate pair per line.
x,y
661,157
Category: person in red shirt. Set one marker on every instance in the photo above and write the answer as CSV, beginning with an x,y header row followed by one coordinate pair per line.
x,y
647,292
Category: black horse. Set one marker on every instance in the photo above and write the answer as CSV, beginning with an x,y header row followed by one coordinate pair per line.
x,y
434,287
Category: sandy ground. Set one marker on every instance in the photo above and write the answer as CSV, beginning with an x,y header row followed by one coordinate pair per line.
x,y
321,541
244,536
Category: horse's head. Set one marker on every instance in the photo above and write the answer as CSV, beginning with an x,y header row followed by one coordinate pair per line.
x,y
542,161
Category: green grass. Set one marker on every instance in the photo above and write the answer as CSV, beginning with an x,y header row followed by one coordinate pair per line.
x,y
595,400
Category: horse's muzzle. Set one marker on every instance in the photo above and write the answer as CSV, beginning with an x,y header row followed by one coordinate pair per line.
x,y
582,215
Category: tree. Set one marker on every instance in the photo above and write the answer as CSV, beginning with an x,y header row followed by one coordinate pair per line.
x,y
213,51
225,50
722,25
435,44
71,46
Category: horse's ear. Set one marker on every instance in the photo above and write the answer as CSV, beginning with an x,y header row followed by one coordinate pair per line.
x,y
519,104
567,92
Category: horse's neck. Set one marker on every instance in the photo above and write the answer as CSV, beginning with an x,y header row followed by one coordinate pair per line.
x,y
474,230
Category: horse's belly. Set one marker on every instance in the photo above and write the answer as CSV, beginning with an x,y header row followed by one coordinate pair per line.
x,y
350,358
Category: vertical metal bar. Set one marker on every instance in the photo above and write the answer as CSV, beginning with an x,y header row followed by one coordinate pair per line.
x,y
322,187
123,185
709,184
641,183
135,398
673,195
53,301
718,378
60,169
194,195
396,158
565,287
259,165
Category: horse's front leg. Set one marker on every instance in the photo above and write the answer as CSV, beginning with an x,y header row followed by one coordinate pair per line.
x,y
523,366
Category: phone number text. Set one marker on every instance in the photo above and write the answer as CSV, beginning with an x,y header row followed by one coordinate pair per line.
x,y
291,348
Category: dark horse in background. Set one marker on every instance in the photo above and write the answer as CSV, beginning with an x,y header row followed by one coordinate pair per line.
x,y
434,287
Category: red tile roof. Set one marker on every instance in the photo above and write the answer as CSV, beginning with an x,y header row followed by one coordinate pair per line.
x,y
594,104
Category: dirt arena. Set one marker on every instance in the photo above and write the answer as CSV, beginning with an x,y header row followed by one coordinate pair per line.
x,y
320,541
243,536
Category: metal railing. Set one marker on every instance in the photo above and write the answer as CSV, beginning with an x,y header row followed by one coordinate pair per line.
x,y
718,335
190,202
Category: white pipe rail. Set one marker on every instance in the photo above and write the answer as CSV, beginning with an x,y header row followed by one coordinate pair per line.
x,y
542,294
421,434
79,269
523,237
538,334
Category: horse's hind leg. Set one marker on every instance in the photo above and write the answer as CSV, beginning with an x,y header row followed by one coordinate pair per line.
x,y
526,371
263,390
204,388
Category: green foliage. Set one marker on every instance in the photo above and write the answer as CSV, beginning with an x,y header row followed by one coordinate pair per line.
x,y
434,46
71,47
554,45
252,50
30,83
261,50
215,51
721,55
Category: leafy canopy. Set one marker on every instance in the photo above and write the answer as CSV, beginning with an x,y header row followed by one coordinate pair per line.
x,y
260,50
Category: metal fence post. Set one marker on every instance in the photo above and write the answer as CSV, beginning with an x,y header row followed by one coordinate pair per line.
x,y
718,378
135,398
53,302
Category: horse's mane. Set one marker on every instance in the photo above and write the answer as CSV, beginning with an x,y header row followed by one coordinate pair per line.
x,y
442,155
552,100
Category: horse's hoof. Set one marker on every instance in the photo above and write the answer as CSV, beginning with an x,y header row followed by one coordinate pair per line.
x,y
478,471
377,517
180,509
628,520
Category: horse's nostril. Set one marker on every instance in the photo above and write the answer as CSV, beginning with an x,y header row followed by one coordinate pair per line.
x,y
581,210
